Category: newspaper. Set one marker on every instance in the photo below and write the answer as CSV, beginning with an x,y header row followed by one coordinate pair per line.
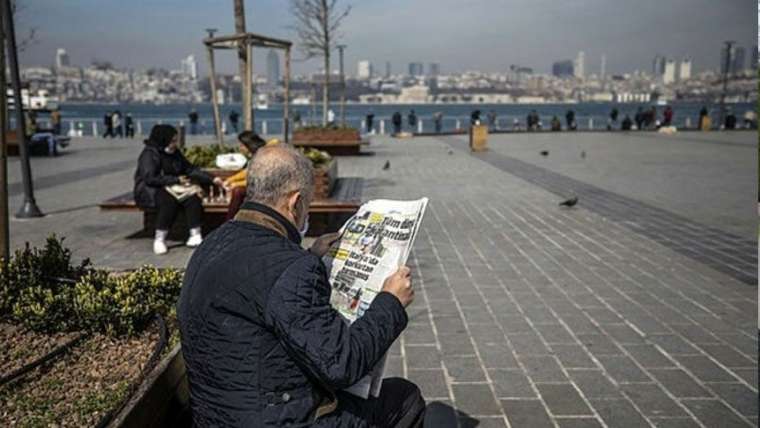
x,y
373,244
183,191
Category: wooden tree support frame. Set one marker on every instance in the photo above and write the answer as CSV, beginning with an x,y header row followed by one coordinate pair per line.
x,y
247,41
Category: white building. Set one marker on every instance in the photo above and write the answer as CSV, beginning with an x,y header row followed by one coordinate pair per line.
x,y
61,59
580,65
685,70
364,70
189,67
670,74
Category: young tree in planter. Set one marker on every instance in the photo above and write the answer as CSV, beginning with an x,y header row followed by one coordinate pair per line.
x,y
317,24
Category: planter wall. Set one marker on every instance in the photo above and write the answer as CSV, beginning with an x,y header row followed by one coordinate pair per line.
x,y
326,135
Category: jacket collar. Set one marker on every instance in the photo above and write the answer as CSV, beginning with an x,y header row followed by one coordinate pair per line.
x,y
253,212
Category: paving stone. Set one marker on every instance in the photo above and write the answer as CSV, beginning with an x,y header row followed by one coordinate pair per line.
x,y
422,357
578,423
526,413
511,384
475,399
738,396
727,356
528,344
573,356
704,369
618,413
675,422
673,344
542,368
623,334
555,333
464,369
432,383
679,383
482,422
458,344
594,384
652,400
648,356
622,369
598,344
563,399
713,413
497,355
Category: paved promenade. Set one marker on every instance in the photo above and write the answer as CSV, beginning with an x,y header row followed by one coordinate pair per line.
x,y
636,308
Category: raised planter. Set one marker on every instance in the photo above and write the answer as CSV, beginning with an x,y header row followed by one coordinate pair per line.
x,y
163,399
326,135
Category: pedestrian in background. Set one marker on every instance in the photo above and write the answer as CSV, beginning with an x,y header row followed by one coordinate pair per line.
x,y
193,116
370,123
412,121
396,120
108,124
117,127
129,126
570,120
234,117
438,121
55,119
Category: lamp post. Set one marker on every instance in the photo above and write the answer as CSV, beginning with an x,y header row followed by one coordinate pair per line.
x,y
341,48
29,209
4,220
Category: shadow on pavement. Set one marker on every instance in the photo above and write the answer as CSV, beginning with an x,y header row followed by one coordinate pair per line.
x,y
442,415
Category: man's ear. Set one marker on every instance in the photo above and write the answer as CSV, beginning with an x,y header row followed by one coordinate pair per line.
x,y
293,201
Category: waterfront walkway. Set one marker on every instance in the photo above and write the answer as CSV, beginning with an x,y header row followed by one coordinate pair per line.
x,y
636,308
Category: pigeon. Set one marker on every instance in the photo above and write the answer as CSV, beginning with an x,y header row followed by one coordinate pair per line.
x,y
570,202
583,155
451,152
387,165
544,153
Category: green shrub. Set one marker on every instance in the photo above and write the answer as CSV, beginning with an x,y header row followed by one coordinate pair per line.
x,y
87,299
205,156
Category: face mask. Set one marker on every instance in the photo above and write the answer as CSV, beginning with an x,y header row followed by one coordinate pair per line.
x,y
305,227
169,150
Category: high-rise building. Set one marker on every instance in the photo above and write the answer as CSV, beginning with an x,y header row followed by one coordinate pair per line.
x,y
61,58
658,66
754,58
563,69
364,70
670,74
388,69
727,59
273,68
416,69
603,70
738,60
685,70
189,67
434,69
580,65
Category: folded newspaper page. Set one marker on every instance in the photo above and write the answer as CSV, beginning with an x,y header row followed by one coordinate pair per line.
x,y
373,244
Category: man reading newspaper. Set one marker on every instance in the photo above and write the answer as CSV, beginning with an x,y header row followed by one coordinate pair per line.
x,y
262,344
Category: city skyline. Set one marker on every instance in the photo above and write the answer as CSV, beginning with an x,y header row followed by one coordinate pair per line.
x,y
672,29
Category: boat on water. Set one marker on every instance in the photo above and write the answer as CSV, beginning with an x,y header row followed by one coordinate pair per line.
x,y
262,102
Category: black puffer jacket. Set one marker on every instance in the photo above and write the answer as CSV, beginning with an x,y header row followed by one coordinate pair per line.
x,y
262,345
157,169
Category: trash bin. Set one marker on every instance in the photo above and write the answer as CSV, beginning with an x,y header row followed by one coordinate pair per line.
x,y
479,138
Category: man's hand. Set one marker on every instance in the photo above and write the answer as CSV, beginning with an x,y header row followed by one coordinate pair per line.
x,y
184,180
218,182
400,285
323,243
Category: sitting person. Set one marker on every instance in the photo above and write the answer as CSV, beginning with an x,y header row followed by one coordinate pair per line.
x,y
161,164
250,142
261,343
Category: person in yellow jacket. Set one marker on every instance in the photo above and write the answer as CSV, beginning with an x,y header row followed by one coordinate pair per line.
x,y
236,184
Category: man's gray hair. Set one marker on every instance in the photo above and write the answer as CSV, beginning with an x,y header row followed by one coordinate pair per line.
x,y
277,171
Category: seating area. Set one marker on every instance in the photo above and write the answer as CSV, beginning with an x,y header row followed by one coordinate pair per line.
x,y
325,215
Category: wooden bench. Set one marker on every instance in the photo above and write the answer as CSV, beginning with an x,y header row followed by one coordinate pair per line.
x,y
40,149
325,215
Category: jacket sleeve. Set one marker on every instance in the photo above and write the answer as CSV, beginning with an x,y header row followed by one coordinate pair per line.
x,y
317,336
195,172
238,179
150,168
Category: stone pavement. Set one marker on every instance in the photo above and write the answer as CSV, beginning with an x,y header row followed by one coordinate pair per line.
x,y
527,315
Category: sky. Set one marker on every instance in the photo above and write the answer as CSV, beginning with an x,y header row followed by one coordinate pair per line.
x,y
461,35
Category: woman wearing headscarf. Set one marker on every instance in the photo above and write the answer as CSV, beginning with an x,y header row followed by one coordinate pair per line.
x,y
161,165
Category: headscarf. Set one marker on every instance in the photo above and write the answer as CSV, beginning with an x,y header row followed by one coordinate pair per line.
x,y
161,136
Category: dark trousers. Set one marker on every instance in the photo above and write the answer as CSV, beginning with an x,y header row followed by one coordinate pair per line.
x,y
400,404
168,206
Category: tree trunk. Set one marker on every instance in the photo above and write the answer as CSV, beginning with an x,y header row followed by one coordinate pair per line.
x,y
240,28
326,47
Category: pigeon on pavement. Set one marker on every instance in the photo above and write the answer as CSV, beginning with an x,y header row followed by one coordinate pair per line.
x,y
544,153
387,165
570,202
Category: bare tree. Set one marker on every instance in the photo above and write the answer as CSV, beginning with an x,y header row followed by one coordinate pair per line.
x,y
30,38
317,24
239,29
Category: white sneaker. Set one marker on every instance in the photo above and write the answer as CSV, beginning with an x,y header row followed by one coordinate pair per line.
x,y
159,247
194,241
